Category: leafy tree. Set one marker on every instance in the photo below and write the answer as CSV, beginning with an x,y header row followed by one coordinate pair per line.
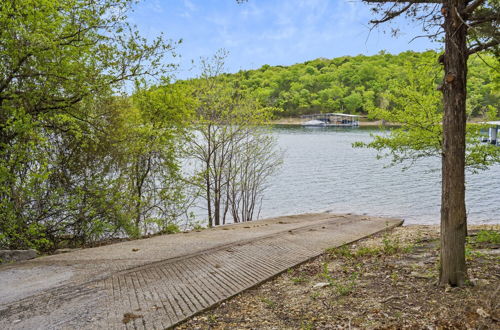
x,y
228,145
62,65
155,125
463,21
469,27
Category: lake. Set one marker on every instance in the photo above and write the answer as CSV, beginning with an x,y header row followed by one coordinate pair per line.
x,y
322,172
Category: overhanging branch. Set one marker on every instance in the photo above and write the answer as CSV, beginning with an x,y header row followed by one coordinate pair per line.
x,y
472,6
482,47
403,1
392,14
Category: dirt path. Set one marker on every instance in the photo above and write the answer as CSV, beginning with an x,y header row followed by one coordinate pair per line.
x,y
160,281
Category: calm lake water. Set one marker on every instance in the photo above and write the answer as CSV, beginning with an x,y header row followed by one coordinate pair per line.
x,y
322,172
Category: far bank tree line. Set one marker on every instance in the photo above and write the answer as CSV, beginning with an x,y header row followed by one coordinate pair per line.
x,y
82,161
355,84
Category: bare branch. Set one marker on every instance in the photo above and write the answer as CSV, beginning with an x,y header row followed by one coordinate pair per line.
x,y
403,1
392,14
480,20
473,5
482,47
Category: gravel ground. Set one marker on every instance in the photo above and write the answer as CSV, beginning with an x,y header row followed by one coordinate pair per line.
x,y
383,282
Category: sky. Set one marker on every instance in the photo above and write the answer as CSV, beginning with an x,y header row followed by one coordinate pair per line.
x,y
274,32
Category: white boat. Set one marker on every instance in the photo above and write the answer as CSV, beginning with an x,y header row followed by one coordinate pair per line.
x,y
314,123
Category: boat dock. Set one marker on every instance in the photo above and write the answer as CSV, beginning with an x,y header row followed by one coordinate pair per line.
x,y
493,132
331,120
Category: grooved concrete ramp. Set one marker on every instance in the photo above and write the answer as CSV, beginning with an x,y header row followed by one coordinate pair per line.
x,y
158,282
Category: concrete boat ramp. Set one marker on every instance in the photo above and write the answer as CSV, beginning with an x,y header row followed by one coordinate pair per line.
x,y
158,282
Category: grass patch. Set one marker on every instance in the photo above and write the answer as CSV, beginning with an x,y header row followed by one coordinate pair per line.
x,y
341,288
488,236
269,303
298,280
367,251
389,246
342,251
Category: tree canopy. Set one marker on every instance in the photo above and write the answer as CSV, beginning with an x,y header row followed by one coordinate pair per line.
x,y
355,84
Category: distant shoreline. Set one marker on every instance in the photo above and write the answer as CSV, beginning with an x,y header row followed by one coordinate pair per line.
x,y
299,121
362,123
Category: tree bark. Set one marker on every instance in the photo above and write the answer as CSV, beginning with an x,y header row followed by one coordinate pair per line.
x,y
453,213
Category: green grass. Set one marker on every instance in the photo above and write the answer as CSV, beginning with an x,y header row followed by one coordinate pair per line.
x,y
389,247
342,288
268,302
298,280
342,251
488,236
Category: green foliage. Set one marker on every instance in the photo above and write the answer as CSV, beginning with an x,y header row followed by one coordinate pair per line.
x,y
488,236
68,140
170,228
341,288
269,303
298,280
470,252
232,153
358,84
389,246
343,251
415,105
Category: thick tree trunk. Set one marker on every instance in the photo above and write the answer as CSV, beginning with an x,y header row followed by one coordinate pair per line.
x,y
453,213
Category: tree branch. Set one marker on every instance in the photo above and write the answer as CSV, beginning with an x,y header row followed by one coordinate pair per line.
x,y
482,47
474,4
403,1
392,14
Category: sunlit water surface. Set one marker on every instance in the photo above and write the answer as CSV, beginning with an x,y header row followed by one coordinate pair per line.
x,y
322,172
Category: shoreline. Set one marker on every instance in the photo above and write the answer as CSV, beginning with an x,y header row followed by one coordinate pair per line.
x,y
297,121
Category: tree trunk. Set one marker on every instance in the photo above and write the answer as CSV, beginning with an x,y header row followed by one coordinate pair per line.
x,y
453,213
208,195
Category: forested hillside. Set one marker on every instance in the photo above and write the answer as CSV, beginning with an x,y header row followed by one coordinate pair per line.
x,y
354,84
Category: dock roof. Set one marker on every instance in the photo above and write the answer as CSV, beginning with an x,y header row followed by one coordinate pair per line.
x,y
330,114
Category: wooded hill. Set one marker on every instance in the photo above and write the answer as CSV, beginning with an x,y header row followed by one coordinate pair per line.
x,y
354,84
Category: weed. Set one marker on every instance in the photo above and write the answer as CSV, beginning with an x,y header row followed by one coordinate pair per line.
x,y
394,277
408,248
297,280
325,273
342,289
212,319
306,325
341,251
488,236
315,295
268,302
470,253
171,228
197,226
390,246
367,251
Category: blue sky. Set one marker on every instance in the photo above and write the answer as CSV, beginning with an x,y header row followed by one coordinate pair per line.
x,y
275,32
